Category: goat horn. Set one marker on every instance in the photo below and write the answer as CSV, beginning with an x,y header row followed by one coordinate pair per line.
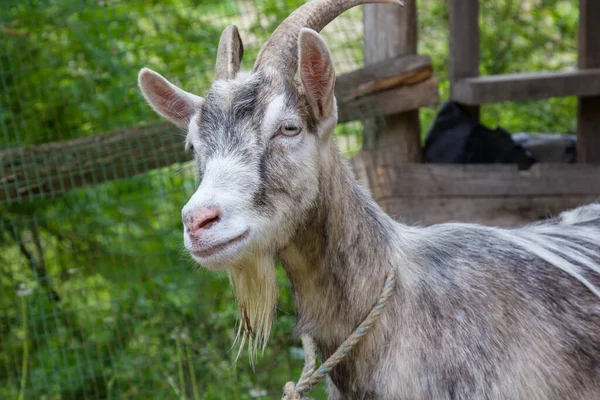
x,y
281,50
229,54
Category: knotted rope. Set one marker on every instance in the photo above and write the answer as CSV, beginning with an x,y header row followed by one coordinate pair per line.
x,y
310,375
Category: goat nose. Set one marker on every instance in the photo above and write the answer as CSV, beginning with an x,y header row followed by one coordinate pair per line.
x,y
201,219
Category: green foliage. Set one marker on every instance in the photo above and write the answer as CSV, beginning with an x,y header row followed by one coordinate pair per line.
x,y
515,36
134,318
111,307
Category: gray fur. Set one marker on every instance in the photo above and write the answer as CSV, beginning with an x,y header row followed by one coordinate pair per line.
x,y
477,312
474,315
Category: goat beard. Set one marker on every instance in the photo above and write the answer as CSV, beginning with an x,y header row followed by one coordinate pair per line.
x,y
255,287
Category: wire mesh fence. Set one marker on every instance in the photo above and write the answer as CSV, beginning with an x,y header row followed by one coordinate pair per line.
x,y
97,298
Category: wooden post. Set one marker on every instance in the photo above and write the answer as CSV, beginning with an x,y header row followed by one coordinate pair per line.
x,y
464,44
588,108
390,32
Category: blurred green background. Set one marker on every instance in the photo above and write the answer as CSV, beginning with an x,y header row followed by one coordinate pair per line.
x,y
98,300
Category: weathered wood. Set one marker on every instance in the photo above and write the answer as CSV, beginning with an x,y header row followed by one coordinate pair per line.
x,y
388,33
495,194
52,169
464,45
388,178
526,86
511,211
383,75
588,108
588,130
390,102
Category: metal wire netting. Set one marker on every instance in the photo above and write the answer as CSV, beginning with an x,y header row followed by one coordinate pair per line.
x,y
97,298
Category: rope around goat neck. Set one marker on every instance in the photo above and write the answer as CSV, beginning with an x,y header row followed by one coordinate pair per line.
x,y
309,377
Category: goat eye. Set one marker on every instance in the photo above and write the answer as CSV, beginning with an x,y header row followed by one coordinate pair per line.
x,y
289,129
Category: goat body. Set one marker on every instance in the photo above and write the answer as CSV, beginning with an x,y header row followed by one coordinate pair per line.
x,y
476,313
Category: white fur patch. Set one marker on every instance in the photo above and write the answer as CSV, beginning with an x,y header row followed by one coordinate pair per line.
x,y
581,214
223,184
191,139
242,75
223,92
228,183
274,114
554,252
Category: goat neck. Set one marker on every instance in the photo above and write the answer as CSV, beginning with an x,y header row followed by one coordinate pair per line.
x,y
338,260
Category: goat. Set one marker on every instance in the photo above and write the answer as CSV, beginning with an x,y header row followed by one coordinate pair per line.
x,y
476,313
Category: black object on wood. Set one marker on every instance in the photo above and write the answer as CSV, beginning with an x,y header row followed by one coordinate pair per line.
x,y
456,138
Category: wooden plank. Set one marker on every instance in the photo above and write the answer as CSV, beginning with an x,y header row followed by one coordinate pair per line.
x,y
491,194
52,169
383,75
390,102
514,211
390,32
388,178
526,86
588,108
588,130
464,44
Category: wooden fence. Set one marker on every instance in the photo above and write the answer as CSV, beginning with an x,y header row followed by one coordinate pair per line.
x,y
395,82
494,194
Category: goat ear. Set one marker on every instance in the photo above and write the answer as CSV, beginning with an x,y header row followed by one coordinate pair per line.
x,y
229,54
168,100
316,72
